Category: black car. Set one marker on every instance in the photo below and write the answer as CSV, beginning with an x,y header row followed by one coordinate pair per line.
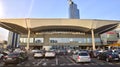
x,y
15,57
108,56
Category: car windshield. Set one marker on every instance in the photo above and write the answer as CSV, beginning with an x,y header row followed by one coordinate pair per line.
x,y
83,54
112,53
13,54
39,52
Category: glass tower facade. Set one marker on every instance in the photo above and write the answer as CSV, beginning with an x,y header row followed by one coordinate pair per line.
x,y
73,10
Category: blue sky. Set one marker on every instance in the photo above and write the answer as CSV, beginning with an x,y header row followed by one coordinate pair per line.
x,y
89,9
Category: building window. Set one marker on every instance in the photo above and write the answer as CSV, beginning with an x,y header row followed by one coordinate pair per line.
x,y
89,40
67,40
31,40
38,40
97,40
23,40
53,41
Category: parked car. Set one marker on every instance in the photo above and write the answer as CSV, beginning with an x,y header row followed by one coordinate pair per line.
x,y
93,54
38,54
15,58
108,56
82,56
50,54
34,50
1,56
119,54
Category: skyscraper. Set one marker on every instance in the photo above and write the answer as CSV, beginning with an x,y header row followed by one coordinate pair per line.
x,y
73,10
13,39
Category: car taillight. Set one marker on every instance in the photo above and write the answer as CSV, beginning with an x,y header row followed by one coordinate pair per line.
x,y
110,56
78,57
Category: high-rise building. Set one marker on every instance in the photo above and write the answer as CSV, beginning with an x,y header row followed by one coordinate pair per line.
x,y
73,10
13,39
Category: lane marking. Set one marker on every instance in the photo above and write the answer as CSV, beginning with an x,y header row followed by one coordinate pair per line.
x,y
27,64
62,64
53,64
86,64
117,63
40,62
44,64
70,60
56,61
110,63
18,64
93,63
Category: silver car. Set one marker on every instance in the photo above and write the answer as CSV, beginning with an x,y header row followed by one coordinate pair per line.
x,y
38,54
81,56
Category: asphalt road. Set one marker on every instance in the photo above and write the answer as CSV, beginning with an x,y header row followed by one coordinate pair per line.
x,y
62,61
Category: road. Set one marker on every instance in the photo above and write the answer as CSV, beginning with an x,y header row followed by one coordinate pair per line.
x,y
62,61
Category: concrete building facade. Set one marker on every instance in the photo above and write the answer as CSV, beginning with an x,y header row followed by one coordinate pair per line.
x,y
37,32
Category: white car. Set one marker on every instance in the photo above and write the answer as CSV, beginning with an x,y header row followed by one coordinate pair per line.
x,y
38,54
35,50
50,54
81,56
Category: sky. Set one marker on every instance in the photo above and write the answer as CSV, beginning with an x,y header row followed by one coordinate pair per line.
x,y
89,9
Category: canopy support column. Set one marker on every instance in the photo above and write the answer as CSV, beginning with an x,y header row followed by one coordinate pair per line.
x,y
93,39
28,40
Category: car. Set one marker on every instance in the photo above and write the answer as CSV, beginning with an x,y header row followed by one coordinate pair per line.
x,y
108,56
50,54
81,56
18,50
15,58
119,54
34,50
1,56
93,54
38,54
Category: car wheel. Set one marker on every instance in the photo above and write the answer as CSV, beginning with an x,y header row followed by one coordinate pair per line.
x,y
107,59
